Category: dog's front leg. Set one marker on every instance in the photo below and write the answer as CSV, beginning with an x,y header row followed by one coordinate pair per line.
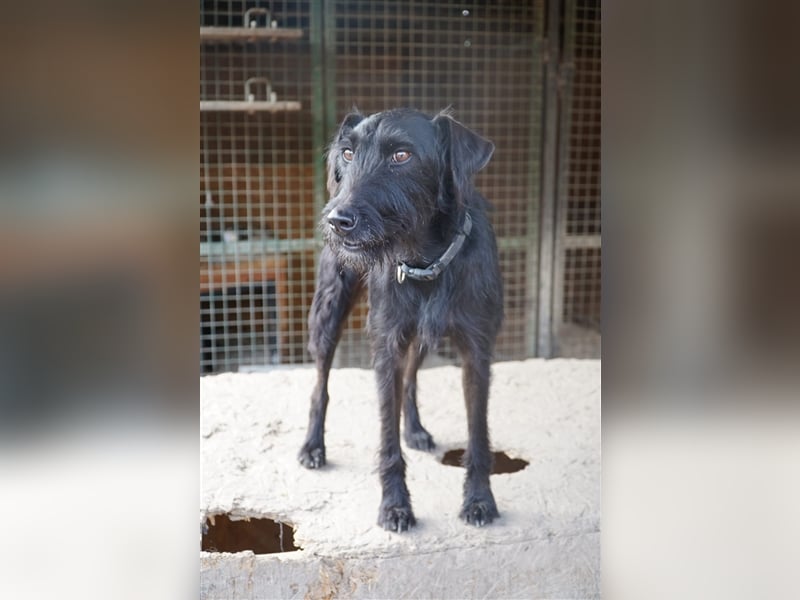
x,y
395,511
338,289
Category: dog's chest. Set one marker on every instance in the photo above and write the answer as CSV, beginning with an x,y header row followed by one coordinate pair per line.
x,y
421,310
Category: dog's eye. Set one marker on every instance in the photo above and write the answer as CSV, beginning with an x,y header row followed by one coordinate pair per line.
x,y
347,155
400,157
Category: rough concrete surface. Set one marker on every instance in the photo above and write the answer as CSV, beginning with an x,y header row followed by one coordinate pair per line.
x,y
545,545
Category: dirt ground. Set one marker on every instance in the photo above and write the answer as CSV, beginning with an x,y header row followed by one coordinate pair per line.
x,y
545,412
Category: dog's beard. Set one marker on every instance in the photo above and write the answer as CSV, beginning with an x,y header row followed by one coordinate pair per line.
x,y
361,256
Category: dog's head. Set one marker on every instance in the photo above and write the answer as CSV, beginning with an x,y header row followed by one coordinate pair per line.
x,y
390,176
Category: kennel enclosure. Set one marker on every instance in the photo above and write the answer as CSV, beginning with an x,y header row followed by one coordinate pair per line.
x,y
276,79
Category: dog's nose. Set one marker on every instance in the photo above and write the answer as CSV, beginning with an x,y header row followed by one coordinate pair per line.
x,y
342,222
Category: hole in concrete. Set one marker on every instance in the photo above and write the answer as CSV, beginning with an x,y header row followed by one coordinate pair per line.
x,y
503,463
262,536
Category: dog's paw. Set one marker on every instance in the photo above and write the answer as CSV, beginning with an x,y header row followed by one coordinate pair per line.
x,y
419,439
312,457
396,518
479,512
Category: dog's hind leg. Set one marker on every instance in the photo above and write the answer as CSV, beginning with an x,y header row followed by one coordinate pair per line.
x,y
479,507
415,435
338,290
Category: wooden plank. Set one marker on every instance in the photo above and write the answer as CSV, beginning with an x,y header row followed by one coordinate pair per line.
x,y
248,34
246,106
583,241
218,276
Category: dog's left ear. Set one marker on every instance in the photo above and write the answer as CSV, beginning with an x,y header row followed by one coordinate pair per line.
x,y
334,175
466,152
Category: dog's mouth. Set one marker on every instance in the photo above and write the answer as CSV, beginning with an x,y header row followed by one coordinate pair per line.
x,y
352,245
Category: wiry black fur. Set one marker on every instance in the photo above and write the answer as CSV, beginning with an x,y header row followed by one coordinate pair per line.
x,y
381,213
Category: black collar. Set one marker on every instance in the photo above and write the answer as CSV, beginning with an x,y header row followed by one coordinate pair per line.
x,y
436,267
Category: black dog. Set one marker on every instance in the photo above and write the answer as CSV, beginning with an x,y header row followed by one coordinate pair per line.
x,y
406,222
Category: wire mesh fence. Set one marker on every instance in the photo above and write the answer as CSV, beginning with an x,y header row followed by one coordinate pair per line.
x,y
483,60
579,262
257,215
276,78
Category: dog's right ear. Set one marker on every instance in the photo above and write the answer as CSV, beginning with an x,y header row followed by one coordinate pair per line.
x,y
334,175
351,120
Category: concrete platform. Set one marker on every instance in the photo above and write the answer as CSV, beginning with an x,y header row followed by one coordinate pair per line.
x,y
545,545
